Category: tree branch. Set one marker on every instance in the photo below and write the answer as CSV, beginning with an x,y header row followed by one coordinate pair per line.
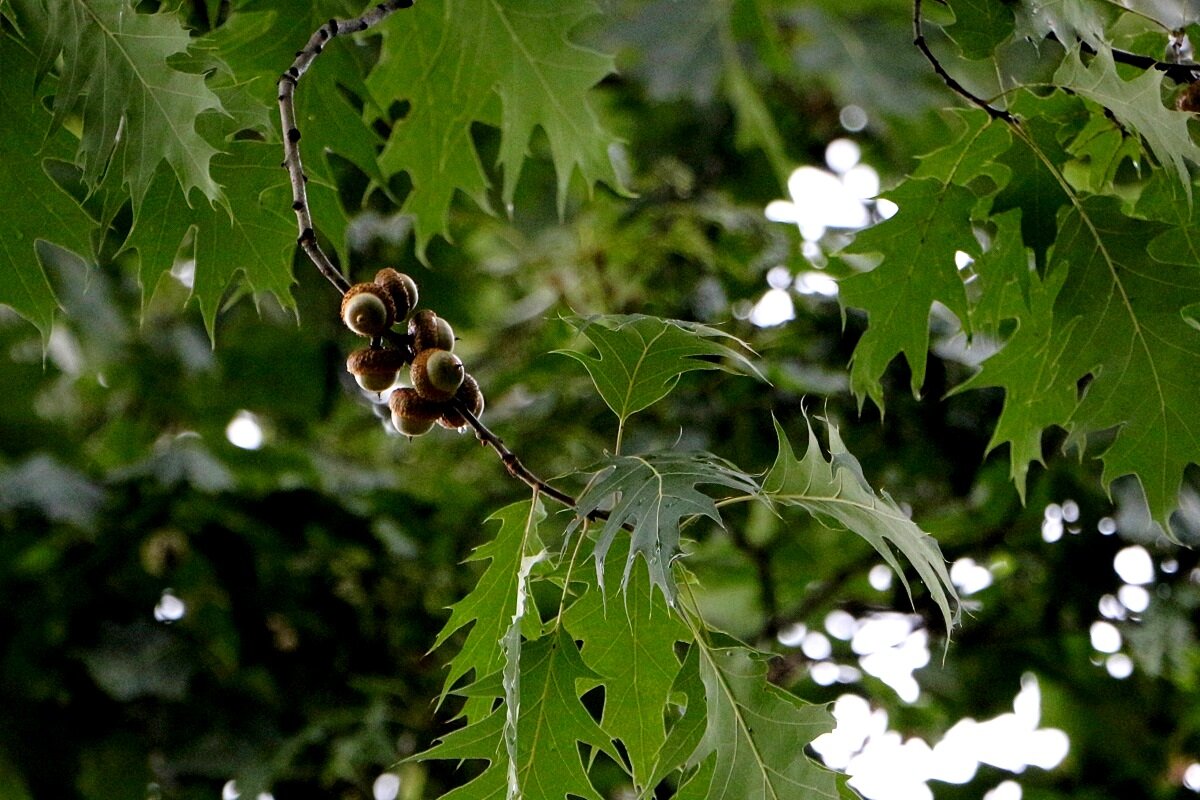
x,y
1180,73
308,239
291,134
513,464
947,78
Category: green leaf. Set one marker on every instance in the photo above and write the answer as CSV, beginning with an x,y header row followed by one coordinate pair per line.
x,y
1003,277
919,245
490,607
551,725
979,26
35,208
758,731
1100,149
631,646
136,109
641,358
1033,187
260,39
654,494
453,61
972,153
255,236
1137,104
1132,337
1068,20
837,494
690,723
1028,369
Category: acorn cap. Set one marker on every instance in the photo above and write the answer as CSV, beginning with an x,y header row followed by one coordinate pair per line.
x,y
401,287
470,395
376,368
367,309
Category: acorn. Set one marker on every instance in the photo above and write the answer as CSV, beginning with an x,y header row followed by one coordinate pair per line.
x,y
367,309
436,374
430,331
413,415
470,395
402,288
376,368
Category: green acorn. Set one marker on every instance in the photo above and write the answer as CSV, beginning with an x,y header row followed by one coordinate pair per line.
x,y
367,309
436,374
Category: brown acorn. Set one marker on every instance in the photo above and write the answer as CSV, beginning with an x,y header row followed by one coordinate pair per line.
x,y
367,309
430,331
470,395
376,368
402,288
1188,98
437,374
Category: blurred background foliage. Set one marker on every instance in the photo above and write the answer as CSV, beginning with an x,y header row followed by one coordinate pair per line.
x,y
185,604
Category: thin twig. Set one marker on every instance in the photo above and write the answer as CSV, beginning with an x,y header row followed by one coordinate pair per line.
x,y
518,470
291,134
510,460
947,78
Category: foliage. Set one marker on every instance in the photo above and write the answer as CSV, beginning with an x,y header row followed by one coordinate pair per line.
x,y
1038,275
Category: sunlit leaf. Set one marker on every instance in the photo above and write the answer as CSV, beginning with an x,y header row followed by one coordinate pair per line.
x,y
653,495
640,358
972,152
1100,148
1068,20
513,640
452,62
1137,104
837,493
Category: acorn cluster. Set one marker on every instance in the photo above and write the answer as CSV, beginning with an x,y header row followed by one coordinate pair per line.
x,y
437,384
